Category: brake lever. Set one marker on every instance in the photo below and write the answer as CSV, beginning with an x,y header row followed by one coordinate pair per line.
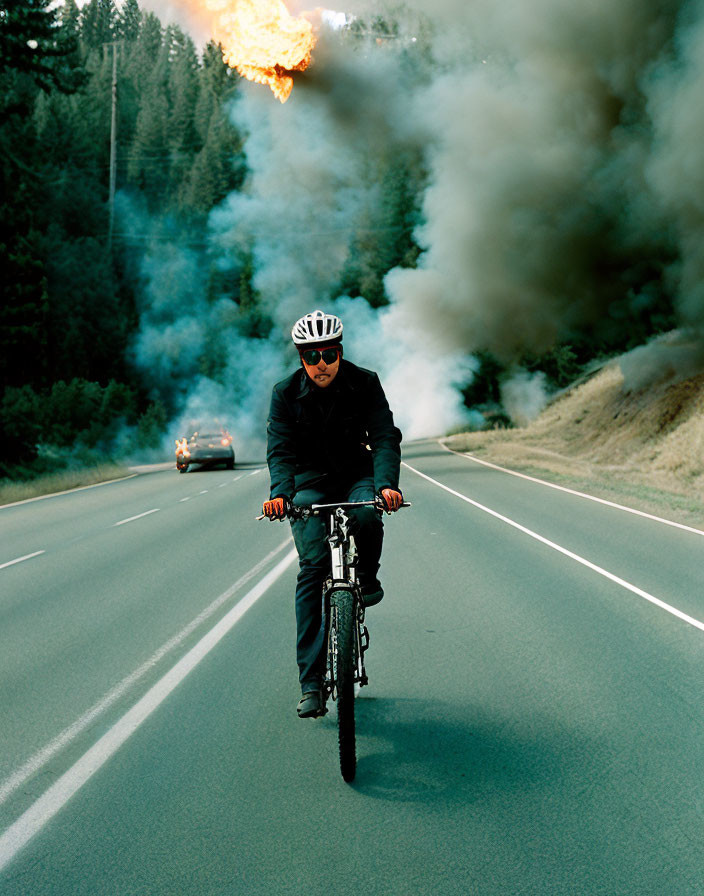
x,y
380,504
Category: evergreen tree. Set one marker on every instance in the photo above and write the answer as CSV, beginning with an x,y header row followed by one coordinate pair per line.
x,y
70,16
148,166
95,105
34,57
219,167
129,20
143,53
98,23
182,91
31,44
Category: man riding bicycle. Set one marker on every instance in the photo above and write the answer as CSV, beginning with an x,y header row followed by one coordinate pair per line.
x,y
330,437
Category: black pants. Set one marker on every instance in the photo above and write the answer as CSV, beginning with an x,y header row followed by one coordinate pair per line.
x,y
314,562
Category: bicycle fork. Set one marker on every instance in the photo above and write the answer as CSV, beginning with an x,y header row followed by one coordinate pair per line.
x,y
342,588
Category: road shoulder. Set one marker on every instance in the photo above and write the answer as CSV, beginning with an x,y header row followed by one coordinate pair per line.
x,y
611,484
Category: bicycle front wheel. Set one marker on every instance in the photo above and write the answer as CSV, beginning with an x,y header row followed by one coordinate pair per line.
x,y
342,611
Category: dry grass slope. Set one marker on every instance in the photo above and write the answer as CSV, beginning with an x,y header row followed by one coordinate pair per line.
x,y
645,444
54,483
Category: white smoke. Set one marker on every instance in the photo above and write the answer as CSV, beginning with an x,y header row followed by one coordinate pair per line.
x,y
672,357
422,385
312,189
302,198
524,395
189,347
564,150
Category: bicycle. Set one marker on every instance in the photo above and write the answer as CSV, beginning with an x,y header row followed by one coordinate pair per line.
x,y
346,635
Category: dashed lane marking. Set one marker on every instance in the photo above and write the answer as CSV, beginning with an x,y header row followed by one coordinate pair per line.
x,y
21,559
139,516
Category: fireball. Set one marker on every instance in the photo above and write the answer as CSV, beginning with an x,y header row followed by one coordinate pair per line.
x,y
263,41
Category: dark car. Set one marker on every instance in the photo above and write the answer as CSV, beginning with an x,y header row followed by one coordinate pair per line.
x,y
210,447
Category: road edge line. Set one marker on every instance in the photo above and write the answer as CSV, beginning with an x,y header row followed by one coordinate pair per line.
x,y
567,553
570,491
14,838
78,488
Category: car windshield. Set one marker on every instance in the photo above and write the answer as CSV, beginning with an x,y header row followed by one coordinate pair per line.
x,y
209,436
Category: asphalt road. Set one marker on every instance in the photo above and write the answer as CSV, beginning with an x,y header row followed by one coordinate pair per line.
x,y
533,723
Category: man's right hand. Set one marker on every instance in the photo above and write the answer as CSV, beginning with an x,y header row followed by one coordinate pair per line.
x,y
275,509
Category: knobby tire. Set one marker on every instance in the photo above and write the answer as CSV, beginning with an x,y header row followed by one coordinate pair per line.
x,y
344,623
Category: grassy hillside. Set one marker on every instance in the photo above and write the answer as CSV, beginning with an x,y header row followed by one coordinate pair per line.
x,y
641,446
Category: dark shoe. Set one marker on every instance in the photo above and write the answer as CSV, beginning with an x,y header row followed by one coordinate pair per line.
x,y
310,705
372,592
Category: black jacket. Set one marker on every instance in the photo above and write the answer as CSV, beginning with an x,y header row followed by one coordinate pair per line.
x,y
317,435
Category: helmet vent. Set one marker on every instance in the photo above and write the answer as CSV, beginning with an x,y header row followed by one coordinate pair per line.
x,y
316,327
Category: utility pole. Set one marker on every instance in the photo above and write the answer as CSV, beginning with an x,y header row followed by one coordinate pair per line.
x,y
113,154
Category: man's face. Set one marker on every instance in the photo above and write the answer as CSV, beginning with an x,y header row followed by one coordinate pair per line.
x,y
322,373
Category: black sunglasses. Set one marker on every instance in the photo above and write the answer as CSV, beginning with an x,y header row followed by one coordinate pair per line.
x,y
312,356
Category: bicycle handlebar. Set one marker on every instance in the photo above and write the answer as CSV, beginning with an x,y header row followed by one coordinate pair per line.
x,y
299,511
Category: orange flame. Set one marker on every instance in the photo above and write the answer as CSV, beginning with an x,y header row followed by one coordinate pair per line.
x,y
263,41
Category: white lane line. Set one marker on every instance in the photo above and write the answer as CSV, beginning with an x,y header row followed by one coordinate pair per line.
x,y
204,492
138,517
237,478
184,499
556,547
223,485
21,559
562,488
68,491
39,759
46,807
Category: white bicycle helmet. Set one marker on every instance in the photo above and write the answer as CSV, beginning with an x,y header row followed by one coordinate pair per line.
x,y
316,327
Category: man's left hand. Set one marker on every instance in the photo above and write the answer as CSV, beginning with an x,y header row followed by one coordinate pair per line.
x,y
392,499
